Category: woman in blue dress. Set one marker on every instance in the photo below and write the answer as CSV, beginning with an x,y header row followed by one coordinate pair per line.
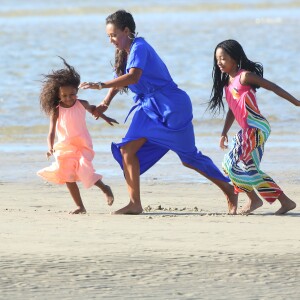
x,y
162,119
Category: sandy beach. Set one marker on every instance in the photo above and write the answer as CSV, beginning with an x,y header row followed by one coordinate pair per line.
x,y
184,246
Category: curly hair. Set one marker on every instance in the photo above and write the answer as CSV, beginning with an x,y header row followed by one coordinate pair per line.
x,y
220,80
49,96
121,19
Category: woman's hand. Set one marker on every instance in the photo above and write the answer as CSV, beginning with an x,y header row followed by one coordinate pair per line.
x,y
224,142
90,85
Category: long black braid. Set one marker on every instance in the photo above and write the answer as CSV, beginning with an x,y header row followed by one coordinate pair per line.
x,y
220,80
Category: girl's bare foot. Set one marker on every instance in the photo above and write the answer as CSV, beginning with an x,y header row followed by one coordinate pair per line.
x,y
109,195
130,209
254,203
250,206
79,210
286,204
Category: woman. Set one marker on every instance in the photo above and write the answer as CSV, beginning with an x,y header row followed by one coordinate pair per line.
x,y
162,119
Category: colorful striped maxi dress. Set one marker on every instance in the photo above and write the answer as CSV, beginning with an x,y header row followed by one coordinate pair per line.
x,y
242,163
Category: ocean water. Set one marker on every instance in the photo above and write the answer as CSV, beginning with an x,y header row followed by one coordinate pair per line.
x,y
33,33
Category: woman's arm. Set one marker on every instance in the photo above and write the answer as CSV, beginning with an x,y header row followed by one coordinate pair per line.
x,y
132,77
227,125
114,85
112,92
51,134
103,106
249,78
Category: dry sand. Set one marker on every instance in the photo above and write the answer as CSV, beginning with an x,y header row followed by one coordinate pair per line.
x,y
175,252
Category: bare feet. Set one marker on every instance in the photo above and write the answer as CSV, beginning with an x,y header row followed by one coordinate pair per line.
x,y
79,210
286,204
232,201
109,195
130,209
254,203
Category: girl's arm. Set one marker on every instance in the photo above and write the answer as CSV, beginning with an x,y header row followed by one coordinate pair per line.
x,y
51,134
249,78
91,109
227,125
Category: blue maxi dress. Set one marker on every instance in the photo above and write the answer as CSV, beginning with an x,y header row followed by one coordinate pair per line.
x,y
162,114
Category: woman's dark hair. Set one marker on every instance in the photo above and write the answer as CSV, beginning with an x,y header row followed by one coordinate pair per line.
x,y
121,19
49,97
220,80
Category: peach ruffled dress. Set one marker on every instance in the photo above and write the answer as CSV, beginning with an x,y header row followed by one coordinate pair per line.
x,y
73,151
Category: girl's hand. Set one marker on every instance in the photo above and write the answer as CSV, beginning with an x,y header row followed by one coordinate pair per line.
x,y
107,119
90,85
224,142
99,110
49,153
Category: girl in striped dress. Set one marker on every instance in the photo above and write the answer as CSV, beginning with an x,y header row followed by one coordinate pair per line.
x,y
240,78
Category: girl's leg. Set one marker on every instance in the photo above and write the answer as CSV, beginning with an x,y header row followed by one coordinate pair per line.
x,y
286,204
266,187
264,184
253,203
228,190
74,191
131,168
107,191
248,150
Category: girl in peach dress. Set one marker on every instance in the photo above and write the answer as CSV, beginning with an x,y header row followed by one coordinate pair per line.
x,y
73,150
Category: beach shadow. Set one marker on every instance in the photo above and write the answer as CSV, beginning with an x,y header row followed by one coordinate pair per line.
x,y
270,214
203,214
164,213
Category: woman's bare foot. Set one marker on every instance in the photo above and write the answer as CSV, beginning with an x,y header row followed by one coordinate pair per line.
x,y
109,195
232,201
130,209
254,203
79,210
286,204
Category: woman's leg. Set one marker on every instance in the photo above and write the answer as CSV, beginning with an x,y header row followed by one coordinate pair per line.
x,y
74,191
131,167
228,190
